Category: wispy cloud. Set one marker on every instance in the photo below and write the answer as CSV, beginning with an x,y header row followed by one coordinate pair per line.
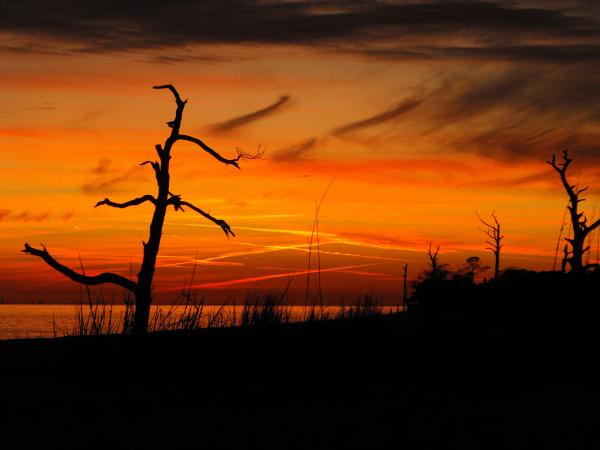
x,y
251,280
86,117
28,216
103,185
266,230
43,106
4,213
503,112
386,116
177,58
297,151
249,118
102,167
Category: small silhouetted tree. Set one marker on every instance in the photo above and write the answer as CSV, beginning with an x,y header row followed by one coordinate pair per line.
x,y
472,268
436,271
142,288
579,224
493,233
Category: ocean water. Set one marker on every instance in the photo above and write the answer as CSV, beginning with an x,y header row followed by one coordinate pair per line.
x,y
44,321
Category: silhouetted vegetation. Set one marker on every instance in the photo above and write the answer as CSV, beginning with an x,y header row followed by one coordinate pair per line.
x,y
515,295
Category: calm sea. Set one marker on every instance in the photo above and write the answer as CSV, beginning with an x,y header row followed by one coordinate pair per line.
x,y
35,321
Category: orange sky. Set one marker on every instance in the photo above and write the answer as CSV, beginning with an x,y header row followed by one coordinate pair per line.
x,y
413,147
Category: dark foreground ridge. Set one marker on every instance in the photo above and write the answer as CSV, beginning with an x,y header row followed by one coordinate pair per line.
x,y
421,381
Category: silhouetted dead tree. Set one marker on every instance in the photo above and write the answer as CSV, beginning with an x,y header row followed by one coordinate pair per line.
x,y
142,289
579,224
492,231
438,270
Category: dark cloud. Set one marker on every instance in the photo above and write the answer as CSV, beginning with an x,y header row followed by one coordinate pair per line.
x,y
102,167
504,28
4,213
86,117
183,58
296,152
27,216
534,54
67,215
103,186
386,116
535,178
44,106
246,119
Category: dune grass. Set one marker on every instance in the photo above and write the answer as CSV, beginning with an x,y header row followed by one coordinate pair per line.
x,y
190,312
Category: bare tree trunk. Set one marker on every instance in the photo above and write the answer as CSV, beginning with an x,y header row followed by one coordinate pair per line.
x,y
579,224
495,245
497,264
404,289
146,273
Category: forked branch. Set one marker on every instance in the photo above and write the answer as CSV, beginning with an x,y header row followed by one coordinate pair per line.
x,y
216,155
102,278
561,168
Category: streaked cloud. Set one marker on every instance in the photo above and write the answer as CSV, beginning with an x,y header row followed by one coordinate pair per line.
x,y
295,152
383,117
103,185
249,118
29,216
252,280
102,167
4,213
43,106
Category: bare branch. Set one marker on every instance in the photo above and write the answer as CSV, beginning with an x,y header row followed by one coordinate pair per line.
x,y
485,223
175,94
155,165
243,155
496,219
232,162
489,233
177,203
562,171
593,226
135,201
175,124
105,277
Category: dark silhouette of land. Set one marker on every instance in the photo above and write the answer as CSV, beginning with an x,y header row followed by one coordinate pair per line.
x,y
510,363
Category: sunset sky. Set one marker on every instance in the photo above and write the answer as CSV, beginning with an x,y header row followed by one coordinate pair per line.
x,y
417,115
